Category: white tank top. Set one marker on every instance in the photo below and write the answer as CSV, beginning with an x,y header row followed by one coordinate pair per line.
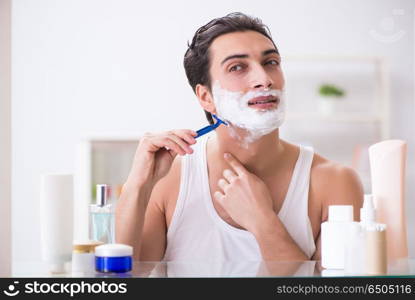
x,y
198,233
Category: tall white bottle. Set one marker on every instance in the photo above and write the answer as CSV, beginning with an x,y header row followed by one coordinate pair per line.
x,y
354,259
333,236
56,220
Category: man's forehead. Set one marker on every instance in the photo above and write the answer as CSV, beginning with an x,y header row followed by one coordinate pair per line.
x,y
246,42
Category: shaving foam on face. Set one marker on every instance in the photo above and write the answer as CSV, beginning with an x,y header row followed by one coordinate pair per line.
x,y
233,107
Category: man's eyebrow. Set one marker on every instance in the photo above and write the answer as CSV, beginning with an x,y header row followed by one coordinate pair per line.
x,y
234,56
264,53
270,51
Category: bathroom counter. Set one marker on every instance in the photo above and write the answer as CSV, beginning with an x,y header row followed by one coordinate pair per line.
x,y
398,268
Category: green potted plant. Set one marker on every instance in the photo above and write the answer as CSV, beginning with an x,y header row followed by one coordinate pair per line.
x,y
329,96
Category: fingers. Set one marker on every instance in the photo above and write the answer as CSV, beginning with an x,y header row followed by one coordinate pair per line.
x,y
184,138
168,143
222,183
177,141
182,143
229,175
172,153
219,196
187,135
235,164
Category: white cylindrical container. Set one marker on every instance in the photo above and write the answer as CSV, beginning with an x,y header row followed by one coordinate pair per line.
x,y
56,220
333,236
354,256
83,258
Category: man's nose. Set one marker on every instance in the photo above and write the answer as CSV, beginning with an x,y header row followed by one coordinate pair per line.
x,y
260,78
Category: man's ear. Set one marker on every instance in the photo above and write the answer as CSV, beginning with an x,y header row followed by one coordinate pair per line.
x,y
205,98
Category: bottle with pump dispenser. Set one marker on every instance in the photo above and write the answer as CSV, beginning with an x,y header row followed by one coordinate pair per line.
x,y
367,212
102,217
374,248
355,253
376,252
365,252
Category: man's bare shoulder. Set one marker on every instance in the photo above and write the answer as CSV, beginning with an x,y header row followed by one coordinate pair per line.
x,y
324,168
335,183
325,172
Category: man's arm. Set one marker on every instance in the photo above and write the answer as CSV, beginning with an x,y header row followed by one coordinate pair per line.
x,y
150,243
129,215
143,228
275,242
137,209
153,240
153,243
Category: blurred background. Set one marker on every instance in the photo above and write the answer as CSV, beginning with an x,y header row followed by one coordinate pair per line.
x,y
88,77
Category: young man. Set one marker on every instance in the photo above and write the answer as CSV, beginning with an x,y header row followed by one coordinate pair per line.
x,y
240,193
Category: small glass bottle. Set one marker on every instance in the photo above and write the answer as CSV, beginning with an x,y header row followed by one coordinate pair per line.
x,y
102,217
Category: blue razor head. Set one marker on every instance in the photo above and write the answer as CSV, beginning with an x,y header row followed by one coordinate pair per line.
x,y
209,128
219,120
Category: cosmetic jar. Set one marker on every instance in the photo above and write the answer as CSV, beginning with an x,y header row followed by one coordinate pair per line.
x,y
113,258
83,257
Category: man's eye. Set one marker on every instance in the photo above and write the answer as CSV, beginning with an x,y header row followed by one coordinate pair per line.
x,y
235,68
273,62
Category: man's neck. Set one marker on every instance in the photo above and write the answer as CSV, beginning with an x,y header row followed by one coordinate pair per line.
x,y
261,157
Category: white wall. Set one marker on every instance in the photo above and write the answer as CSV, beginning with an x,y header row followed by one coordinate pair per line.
x,y
96,66
5,138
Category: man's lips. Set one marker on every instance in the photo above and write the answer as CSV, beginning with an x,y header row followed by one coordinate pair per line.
x,y
263,102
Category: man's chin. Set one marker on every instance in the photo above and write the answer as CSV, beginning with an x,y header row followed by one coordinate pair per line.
x,y
239,132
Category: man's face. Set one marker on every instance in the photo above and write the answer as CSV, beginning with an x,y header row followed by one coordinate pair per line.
x,y
245,61
246,85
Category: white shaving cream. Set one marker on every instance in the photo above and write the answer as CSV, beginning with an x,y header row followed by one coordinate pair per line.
x,y
233,107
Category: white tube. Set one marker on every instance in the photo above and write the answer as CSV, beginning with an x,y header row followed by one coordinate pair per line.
x,y
387,171
56,219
